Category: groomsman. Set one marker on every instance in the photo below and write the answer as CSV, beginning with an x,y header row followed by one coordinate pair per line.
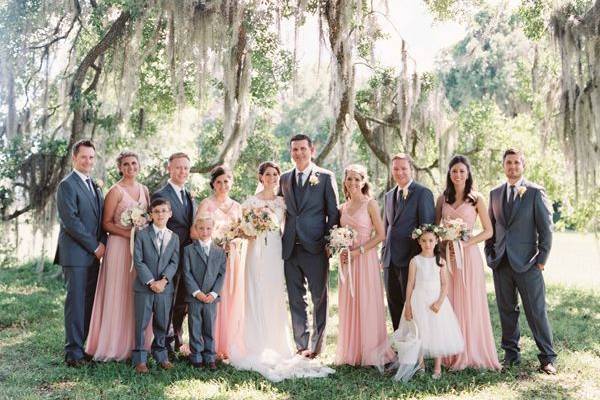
x,y
408,205
183,209
81,242
517,253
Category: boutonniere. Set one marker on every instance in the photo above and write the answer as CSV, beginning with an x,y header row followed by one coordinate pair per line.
x,y
99,184
521,191
314,179
405,194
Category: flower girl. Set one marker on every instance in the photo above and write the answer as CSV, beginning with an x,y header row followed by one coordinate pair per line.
x,y
426,301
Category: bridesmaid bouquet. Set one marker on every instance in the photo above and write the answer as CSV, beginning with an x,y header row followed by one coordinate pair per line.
x,y
341,238
224,234
455,229
135,217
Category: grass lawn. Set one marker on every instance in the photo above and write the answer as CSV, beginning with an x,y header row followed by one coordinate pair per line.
x,y
31,342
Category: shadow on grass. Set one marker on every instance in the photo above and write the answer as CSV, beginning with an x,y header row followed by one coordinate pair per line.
x,y
34,341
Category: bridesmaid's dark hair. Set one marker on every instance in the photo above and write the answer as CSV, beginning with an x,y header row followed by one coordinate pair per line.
x,y
362,171
217,172
123,155
450,191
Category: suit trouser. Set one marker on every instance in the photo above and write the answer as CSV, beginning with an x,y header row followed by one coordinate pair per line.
x,y
396,279
300,268
201,319
532,289
81,288
145,305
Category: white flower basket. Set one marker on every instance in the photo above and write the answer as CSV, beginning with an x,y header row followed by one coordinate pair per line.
x,y
407,342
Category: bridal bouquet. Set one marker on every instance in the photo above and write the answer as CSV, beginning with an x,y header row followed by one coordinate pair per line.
x,y
254,221
341,238
455,229
135,216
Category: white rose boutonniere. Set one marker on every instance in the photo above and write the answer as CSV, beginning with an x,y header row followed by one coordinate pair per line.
x,y
521,191
100,184
313,180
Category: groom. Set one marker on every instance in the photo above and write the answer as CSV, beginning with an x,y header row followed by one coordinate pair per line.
x,y
310,195
81,242
517,253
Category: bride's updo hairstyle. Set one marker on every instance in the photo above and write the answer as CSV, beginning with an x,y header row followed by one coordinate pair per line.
x,y
123,155
217,172
262,168
362,171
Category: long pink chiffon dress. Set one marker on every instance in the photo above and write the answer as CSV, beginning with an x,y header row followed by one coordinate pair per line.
x,y
362,335
467,294
112,325
230,308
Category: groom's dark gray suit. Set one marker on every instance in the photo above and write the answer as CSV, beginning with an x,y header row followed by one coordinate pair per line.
x,y
401,217
522,239
311,211
80,218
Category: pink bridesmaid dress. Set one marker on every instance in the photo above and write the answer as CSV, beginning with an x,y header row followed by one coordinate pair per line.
x,y
467,294
362,335
230,308
112,325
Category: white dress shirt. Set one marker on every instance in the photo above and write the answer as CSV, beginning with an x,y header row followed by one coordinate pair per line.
x,y
305,174
403,190
177,189
517,184
206,247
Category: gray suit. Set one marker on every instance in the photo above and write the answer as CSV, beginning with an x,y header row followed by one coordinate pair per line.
x,y
400,218
522,239
311,211
206,275
80,219
180,223
153,263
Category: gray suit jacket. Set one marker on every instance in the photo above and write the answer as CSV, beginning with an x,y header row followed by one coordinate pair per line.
x,y
180,222
400,219
310,219
150,263
80,219
525,235
198,274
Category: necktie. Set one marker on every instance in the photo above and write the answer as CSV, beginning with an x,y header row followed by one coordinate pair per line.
x,y
205,248
159,236
511,199
183,199
300,179
90,187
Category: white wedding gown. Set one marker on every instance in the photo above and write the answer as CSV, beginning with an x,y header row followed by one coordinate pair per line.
x,y
264,342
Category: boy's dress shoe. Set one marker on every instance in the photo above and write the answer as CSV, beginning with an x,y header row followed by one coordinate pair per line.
x,y
166,365
141,368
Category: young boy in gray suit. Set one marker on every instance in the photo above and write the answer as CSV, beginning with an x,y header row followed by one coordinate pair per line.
x,y
203,273
155,256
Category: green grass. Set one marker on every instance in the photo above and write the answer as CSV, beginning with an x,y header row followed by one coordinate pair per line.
x,y
31,367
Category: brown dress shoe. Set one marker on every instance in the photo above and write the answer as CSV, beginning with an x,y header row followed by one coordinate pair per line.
x,y
549,369
212,366
141,368
166,365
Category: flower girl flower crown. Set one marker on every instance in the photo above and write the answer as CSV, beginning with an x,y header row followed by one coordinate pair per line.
x,y
437,230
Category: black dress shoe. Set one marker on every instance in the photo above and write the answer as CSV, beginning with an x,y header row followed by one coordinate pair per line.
x,y
197,365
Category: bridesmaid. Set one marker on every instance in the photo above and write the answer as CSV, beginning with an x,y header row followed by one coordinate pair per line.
x,y
362,338
111,334
231,305
466,289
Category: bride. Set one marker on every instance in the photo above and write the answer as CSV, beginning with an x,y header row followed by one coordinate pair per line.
x,y
264,342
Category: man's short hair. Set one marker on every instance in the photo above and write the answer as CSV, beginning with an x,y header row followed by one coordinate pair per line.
x,y
403,156
514,151
177,155
159,201
299,137
82,143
